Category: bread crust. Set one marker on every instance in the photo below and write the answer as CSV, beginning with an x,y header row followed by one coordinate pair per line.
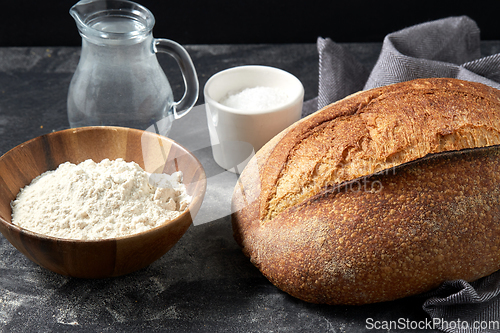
x,y
405,223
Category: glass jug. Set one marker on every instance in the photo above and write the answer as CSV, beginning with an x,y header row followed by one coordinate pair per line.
x,y
118,80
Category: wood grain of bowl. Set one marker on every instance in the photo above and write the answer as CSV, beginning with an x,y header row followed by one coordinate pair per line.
x,y
108,257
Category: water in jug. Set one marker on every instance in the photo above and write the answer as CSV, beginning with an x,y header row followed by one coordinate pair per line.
x,y
118,80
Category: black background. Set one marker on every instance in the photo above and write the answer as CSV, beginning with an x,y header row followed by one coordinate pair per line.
x,y
48,23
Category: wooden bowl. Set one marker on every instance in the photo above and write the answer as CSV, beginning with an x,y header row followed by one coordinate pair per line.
x,y
108,257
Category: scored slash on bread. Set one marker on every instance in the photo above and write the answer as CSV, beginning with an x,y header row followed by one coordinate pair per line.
x,y
332,211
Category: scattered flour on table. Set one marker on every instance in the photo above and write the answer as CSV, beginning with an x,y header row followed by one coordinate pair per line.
x,y
256,99
91,200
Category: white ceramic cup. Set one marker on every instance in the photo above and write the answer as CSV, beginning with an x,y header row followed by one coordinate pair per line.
x,y
235,135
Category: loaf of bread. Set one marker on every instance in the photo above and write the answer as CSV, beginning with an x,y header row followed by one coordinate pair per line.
x,y
384,194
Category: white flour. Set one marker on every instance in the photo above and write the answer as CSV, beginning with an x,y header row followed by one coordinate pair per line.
x,y
99,200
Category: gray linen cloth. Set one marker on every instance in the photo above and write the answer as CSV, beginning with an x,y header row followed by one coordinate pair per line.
x,y
448,47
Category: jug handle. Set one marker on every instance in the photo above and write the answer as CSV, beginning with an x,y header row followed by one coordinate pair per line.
x,y
175,50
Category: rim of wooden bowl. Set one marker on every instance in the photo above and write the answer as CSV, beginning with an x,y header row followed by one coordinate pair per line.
x,y
195,203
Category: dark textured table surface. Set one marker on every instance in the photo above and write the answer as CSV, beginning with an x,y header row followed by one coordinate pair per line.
x,y
205,283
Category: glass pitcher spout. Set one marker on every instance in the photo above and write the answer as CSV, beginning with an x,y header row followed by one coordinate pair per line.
x,y
115,19
118,80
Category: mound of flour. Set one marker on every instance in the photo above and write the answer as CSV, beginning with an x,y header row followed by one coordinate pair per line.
x,y
99,200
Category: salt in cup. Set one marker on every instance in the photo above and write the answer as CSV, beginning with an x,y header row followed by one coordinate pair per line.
x,y
247,106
